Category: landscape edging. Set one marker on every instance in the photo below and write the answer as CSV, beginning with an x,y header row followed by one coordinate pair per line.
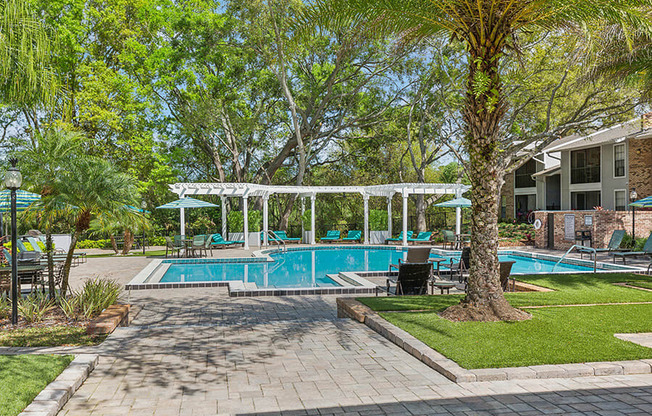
x,y
56,394
351,308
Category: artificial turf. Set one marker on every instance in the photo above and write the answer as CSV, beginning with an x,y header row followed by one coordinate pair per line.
x,y
22,377
554,335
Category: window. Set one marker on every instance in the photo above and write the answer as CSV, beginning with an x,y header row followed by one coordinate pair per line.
x,y
621,201
619,160
585,165
503,207
523,175
585,200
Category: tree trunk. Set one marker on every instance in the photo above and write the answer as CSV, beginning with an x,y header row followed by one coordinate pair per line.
x,y
285,216
128,242
421,213
68,263
49,249
114,244
484,109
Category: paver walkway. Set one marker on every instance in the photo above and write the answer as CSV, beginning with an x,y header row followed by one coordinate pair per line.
x,y
199,352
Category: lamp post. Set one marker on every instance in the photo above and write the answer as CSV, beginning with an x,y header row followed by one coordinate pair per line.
x,y
13,180
143,205
632,197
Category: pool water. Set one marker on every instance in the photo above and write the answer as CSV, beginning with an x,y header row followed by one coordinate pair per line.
x,y
308,268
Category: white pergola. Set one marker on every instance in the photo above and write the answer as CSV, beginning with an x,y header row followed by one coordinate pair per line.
x,y
248,190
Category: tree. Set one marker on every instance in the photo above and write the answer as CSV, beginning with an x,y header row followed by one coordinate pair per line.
x,y
25,75
488,29
44,158
88,187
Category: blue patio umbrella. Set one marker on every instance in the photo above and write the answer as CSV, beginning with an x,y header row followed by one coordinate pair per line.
x,y
184,203
455,203
23,200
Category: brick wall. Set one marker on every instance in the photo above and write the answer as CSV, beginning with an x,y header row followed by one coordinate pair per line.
x,y
640,166
508,192
604,223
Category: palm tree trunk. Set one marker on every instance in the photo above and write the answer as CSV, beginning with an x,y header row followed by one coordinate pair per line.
x,y
114,244
68,263
128,242
49,249
485,108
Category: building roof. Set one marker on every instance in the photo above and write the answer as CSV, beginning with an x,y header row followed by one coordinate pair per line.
x,y
548,172
612,134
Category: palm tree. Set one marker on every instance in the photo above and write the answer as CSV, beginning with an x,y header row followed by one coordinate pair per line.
x,y
89,186
126,221
25,75
488,29
47,155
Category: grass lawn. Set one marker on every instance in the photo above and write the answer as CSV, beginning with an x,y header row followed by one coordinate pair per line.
x,y
644,285
22,377
554,335
48,337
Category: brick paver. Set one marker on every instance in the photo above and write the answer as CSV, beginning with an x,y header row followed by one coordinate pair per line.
x,y
199,352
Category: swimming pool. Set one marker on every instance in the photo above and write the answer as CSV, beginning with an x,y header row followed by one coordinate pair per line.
x,y
323,268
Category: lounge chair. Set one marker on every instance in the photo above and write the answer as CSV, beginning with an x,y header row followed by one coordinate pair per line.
x,y
414,255
422,238
461,267
80,257
283,236
399,239
57,257
449,238
505,271
270,237
647,251
614,244
217,241
331,235
353,237
412,279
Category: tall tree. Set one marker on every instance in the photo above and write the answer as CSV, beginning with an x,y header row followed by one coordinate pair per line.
x,y
488,29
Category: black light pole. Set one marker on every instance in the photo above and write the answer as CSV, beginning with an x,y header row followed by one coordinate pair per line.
x,y
632,198
13,180
143,205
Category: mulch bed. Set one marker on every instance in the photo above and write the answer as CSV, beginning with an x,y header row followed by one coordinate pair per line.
x,y
54,318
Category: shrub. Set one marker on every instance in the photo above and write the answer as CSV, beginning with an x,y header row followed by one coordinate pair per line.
x,y
156,241
5,306
34,307
97,295
255,220
86,244
377,220
69,306
235,221
306,219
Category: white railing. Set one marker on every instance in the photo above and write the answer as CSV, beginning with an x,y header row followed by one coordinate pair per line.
x,y
282,248
580,248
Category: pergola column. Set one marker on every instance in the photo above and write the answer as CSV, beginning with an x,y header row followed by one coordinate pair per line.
x,y
245,209
183,222
313,198
405,218
265,219
303,211
223,199
458,216
389,215
365,199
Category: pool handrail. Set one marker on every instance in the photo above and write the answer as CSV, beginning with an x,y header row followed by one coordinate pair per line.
x,y
276,239
580,247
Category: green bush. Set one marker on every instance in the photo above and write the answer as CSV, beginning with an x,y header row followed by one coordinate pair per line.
x,y
255,219
97,295
5,306
306,219
34,307
235,220
69,306
377,220
629,243
156,241
515,232
87,244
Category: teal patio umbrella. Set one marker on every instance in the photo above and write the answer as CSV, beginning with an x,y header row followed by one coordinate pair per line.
x,y
23,200
455,203
184,203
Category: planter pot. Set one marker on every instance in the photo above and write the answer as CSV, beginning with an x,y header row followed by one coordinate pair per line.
x,y
306,237
378,237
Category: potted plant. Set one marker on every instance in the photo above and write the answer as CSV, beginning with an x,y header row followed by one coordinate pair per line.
x,y
378,226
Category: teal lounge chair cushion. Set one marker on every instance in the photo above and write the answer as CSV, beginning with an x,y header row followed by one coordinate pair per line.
x,y
353,235
400,236
283,236
423,236
332,235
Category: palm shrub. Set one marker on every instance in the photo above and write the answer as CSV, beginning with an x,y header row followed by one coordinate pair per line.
x,y
69,306
5,306
96,295
35,307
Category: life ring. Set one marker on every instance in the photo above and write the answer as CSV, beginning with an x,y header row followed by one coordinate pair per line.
x,y
537,224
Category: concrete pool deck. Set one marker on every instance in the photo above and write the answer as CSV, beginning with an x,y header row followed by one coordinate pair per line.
x,y
201,352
